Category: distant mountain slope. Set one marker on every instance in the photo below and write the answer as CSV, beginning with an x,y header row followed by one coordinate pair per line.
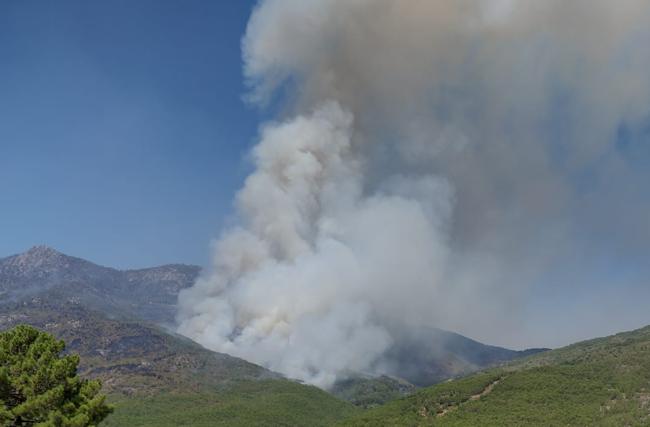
x,y
426,356
129,356
147,294
601,382
160,379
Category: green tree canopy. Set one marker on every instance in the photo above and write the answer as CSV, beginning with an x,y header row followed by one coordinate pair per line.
x,y
39,386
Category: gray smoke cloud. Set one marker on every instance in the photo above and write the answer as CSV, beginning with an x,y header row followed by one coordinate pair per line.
x,y
434,160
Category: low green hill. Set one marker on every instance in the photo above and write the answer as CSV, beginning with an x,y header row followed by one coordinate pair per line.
x,y
601,382
244,403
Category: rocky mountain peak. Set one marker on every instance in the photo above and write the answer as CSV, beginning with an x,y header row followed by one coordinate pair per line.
x,y
149,293
42,252
38,257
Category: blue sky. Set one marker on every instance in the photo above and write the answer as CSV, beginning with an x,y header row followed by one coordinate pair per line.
x,y
122,127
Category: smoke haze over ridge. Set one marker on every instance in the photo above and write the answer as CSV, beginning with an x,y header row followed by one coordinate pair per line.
x,y
435,159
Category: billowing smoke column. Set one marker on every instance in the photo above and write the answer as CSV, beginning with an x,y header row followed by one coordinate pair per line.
x,y
300,285
429,165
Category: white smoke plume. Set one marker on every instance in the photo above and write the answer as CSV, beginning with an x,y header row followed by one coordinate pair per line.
x,y
430,164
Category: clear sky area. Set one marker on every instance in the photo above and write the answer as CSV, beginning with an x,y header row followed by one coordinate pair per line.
x,y
123,132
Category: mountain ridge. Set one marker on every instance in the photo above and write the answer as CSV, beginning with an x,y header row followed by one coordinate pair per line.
x,y
38,254
146,293
426,355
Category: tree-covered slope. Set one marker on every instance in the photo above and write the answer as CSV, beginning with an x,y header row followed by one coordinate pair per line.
x,y
246,403
601,382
